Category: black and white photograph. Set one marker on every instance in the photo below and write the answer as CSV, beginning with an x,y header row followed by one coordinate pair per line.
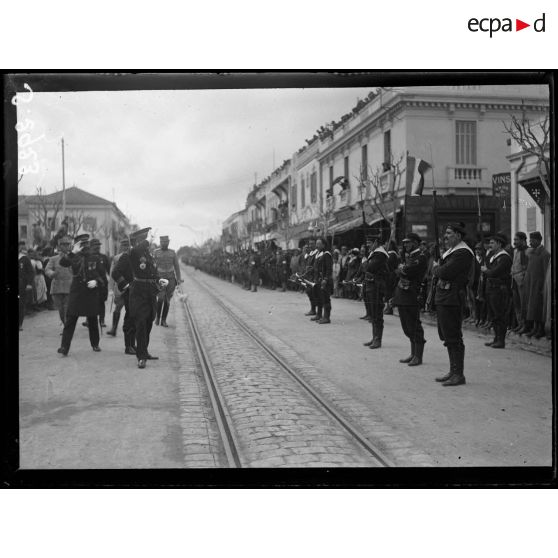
x,y
310,275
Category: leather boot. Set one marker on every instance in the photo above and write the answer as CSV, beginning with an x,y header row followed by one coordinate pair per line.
x,y
533,330
159,309
500,341
115,320
318,316
417,358
452,361
410,357
540,331
166,307
327,314
377,341
369,343
526,328
458,378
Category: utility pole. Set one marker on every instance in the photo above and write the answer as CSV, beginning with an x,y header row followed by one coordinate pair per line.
x,y
63,185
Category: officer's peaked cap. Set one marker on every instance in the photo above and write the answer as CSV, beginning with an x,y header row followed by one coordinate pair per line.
x,y
164,238
139,233
81,238
412,237
500,237
95,242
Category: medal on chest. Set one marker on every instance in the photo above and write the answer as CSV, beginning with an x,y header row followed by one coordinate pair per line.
x,y
142,264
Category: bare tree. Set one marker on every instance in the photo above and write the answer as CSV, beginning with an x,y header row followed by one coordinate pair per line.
x,y
75,221
45,209
384,201
533,138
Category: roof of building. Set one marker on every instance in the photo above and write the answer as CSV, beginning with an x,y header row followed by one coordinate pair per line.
x,y
74,196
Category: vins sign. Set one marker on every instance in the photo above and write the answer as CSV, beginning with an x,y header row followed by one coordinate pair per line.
x,y
501,185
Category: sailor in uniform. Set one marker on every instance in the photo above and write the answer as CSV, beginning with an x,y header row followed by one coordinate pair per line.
x,y
324,280
375,272
452,273
406,297
498,288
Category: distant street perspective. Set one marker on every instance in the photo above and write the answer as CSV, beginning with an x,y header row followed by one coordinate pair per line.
x,y
377,295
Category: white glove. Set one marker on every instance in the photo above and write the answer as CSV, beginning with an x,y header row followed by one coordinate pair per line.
x,y
91,284
76,247
163,282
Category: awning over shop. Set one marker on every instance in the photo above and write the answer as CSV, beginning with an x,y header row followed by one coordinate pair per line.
x,y
531,181
345,226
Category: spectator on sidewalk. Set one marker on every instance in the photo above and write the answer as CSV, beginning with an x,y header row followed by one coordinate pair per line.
x,y
40,290
26,278
519,267
535,274
61,278
336,271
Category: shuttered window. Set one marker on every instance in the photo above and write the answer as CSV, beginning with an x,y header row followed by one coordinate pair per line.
x,y
465,142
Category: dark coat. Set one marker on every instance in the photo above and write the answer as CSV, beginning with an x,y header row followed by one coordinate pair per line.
x,y
534,282
453,274
26,274
410,277
324,267
144,288
86,267
498,273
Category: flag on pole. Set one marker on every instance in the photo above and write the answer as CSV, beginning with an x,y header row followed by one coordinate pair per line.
x,y
415,175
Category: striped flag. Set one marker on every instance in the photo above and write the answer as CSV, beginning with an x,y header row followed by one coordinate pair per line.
x,y
415,175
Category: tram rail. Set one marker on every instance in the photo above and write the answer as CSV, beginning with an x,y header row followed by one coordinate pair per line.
x,y
225,423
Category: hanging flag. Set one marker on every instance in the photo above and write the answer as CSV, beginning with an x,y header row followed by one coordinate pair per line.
x,y
342,181
415,175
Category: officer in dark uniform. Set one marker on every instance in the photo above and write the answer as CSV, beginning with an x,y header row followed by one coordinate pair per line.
x,y
95,246
282,266
497,274
375,272
143,293
452,272
324,280
123,276
88,272
406,297
391,279
308,274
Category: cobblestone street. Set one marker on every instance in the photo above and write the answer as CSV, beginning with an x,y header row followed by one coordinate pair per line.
x,y
97,410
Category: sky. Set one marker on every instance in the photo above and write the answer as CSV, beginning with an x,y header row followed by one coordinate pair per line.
x,y
180,162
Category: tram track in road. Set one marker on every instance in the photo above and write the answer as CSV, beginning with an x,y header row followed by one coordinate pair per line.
x,y
226,422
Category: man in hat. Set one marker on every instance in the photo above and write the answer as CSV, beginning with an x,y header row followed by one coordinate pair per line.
x,y
121,274
406,297
535,274
87,275
61,278
168,268
95,244
324,280
452,272
26,278
497,274
143,292
375,273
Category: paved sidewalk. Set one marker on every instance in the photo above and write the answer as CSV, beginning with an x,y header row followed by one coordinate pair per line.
x,y
501,417
96,410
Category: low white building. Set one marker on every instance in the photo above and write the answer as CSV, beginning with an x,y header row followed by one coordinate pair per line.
x,y
42,214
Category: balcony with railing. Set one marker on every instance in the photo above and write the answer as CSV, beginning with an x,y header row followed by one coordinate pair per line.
x,y
467,176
